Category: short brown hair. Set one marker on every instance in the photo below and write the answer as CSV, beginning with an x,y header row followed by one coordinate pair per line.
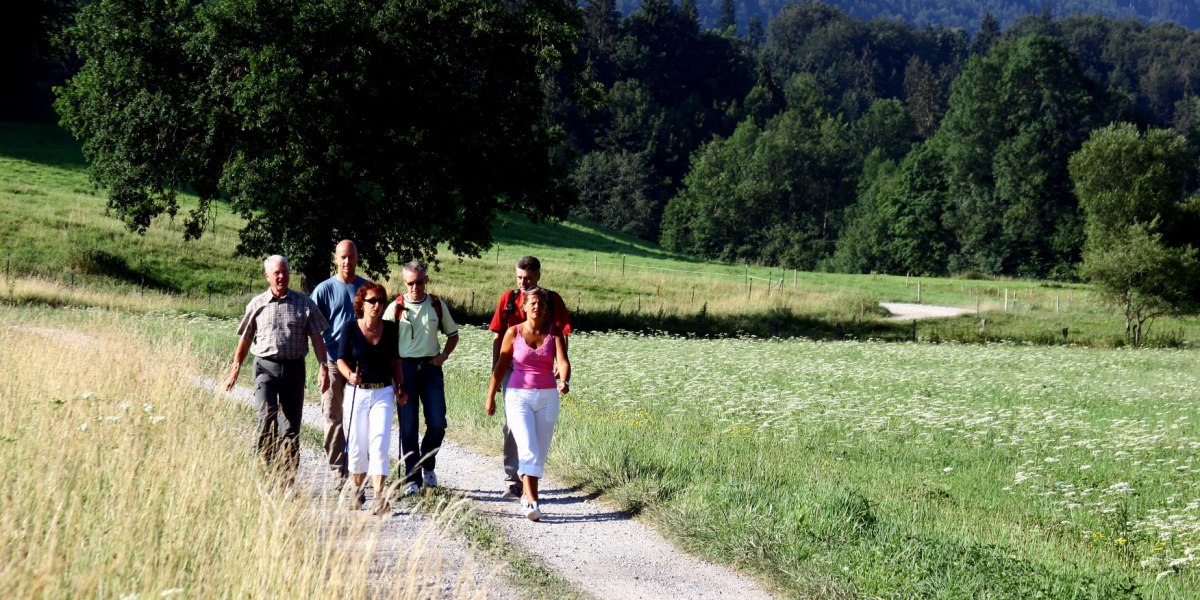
x,y
529,263
361,295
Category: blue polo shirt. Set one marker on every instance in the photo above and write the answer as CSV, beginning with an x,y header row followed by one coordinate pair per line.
x,y
335,300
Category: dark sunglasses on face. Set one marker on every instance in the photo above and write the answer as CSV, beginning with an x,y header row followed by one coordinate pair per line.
x,y
374,300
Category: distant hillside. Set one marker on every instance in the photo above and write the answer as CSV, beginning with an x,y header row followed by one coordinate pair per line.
x,y
958,13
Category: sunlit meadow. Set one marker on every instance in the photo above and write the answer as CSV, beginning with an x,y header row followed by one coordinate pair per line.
x,y
894,470
122,480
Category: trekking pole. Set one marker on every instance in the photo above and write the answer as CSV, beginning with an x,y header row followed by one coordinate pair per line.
x,y
350,423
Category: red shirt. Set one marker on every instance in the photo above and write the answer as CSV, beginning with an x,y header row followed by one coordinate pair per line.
x,y
502,320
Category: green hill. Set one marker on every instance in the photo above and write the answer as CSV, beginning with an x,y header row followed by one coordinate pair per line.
x,y
61,246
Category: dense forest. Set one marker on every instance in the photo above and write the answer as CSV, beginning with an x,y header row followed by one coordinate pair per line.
x,y
821,139
949,13
824,141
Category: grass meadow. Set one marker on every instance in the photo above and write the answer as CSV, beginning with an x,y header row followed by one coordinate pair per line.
x,y
836,466
62,247
852,469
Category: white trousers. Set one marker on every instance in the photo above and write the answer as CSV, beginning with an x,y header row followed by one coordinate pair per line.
x,y
531,416
367,421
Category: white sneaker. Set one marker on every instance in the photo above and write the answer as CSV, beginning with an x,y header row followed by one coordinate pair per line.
x,y
530,510
412,488
429,478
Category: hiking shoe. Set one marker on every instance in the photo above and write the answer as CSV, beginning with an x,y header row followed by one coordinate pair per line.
x,y
512,489
412,489
358,496
429,479
382,506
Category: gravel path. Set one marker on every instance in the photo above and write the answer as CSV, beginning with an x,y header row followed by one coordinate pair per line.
x,y
906,312
601,552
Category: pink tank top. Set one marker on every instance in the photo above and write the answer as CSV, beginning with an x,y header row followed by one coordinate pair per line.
x,y
533,368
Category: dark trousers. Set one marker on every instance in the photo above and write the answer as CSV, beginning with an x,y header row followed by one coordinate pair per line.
x,y
279,398
511,463
426,388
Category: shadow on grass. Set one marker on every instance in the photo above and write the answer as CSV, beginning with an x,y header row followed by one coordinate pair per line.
x,y
773,324
42,143
516,230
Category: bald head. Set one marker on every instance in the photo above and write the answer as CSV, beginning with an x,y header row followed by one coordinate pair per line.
x,y
346,259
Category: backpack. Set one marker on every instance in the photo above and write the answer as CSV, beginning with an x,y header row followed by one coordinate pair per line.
x,y
511,307
437,307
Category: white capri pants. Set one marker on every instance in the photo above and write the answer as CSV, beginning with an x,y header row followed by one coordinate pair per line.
x,y
531,416
367,421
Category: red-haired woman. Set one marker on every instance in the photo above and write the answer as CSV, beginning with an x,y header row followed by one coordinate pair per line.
x,y
370,362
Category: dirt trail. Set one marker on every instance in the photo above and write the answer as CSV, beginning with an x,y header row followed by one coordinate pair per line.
x,y
601,552
905,312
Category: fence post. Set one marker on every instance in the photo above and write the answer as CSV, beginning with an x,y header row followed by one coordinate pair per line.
x,y
1005,299
918,291
693,295
749,288
1057,303
595,264
793,280
622,265
914,333
1066,331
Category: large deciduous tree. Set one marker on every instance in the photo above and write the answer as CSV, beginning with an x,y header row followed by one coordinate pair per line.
x,y
1141,248
400,124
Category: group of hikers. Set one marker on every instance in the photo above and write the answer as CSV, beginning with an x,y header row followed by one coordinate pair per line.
x,y
380,360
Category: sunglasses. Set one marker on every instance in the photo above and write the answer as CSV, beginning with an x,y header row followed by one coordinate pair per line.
x,y
374,300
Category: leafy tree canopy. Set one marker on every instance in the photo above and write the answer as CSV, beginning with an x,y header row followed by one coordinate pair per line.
x,y
1141,249
400,124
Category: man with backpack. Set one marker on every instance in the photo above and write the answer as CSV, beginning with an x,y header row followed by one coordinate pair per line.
x,y
420,316
508,313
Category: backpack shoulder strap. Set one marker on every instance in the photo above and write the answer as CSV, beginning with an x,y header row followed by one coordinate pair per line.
x,y
437,307
511,307
551,295
399,308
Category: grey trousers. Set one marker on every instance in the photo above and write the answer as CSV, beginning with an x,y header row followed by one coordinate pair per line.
x,y
279,398
511,462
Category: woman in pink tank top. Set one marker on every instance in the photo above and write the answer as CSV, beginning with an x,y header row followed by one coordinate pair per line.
x,y
534,349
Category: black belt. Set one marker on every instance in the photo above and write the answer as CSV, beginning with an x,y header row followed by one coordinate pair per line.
x,y
282,361
421,360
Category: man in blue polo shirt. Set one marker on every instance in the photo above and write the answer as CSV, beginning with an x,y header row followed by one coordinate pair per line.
x,y
335,299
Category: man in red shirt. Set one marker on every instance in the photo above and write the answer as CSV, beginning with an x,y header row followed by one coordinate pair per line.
x,y
508,313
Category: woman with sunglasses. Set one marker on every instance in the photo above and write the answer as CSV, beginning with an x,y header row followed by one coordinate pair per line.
x,y
370,362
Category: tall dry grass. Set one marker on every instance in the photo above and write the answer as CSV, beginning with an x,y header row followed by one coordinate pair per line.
x,y
122,480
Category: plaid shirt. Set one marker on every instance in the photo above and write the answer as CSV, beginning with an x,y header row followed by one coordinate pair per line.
x,y
279,328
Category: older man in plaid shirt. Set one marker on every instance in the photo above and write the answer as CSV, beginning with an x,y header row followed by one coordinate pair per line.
x,y
276,329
